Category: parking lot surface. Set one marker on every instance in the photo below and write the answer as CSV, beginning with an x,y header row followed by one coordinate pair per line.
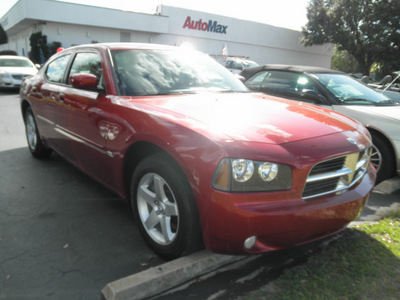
x,y
63,235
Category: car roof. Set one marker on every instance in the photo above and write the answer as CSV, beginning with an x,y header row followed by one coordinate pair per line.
x,y
247,73
116,46
13,57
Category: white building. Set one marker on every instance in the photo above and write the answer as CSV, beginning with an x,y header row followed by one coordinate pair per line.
x,y
73,24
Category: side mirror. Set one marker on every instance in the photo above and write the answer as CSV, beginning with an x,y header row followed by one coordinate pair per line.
x,y
312,96
84,81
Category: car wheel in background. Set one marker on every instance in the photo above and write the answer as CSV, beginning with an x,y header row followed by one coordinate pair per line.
x,y
35,144
382,159
165,208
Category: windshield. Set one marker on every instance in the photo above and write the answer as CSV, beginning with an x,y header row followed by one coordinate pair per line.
x,y
149,72
21,63
351,92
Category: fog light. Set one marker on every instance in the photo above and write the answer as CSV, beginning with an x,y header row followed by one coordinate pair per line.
x,y
249,242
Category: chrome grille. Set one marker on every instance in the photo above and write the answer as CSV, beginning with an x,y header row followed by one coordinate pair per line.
x,y
336,174
331,165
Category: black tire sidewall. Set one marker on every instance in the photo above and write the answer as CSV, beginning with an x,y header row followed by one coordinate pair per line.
x,y
188,237
387,168
29,113
40,150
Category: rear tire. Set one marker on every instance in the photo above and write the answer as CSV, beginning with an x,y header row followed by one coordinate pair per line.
x,y
35,144
164,207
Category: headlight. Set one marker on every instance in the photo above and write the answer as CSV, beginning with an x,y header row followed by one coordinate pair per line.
x,y
242,169
244,175
4,75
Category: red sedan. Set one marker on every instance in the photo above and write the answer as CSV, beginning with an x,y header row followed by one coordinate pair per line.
x,y
202,161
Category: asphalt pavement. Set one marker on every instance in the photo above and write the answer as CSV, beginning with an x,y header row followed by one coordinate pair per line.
x,y
64,236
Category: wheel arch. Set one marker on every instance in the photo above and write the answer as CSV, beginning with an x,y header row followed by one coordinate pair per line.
x,y
137,152
376,132
389,145
24,106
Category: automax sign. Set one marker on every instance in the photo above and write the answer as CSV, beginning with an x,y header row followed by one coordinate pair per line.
x,y
210,26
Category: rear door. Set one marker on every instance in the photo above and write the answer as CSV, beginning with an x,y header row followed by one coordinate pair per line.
x,y
85,118
50,98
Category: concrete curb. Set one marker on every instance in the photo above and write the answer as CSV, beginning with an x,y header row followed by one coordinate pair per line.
x,y
388,186
166,276
157,280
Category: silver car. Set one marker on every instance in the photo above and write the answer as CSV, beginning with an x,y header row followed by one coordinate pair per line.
x,y
389,87
339,92
13,69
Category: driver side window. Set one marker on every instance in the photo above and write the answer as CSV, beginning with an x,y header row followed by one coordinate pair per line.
x,y
88,63
288,84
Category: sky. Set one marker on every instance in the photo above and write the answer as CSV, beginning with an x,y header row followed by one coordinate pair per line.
x,y
282,13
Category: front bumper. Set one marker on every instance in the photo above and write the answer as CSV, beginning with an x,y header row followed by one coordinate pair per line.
x,y
11,81
278,220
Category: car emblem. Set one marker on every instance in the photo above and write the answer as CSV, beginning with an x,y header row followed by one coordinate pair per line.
x,y
109,131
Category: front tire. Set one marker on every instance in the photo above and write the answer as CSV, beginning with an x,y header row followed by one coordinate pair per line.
x,y
35,144
382,159
165,208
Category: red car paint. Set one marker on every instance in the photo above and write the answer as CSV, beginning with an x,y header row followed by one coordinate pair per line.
x,y
97,131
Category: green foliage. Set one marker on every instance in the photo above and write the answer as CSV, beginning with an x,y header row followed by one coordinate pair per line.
x,y
38,44
344,61
367,29
3,36
52,48
363,264
40,50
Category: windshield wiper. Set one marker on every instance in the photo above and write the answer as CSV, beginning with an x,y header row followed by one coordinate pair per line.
x,y
358,101
387,102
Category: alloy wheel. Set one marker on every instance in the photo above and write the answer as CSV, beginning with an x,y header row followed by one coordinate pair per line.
x,y
31,132
158,209
376,158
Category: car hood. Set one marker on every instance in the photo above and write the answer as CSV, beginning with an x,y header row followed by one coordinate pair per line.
x,y
392,112
19,70
246,117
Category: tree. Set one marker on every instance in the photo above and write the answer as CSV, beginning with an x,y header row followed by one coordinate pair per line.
x,y
38,44
52,48
367,29
3,36
344,61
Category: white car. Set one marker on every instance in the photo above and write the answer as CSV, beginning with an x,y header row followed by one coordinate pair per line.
x,y
13,69
237,65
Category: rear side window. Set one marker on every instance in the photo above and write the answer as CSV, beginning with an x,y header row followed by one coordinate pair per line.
x,y
287,84
284,82
56,69
256,80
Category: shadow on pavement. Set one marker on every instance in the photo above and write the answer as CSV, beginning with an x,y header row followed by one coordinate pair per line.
x,y
63,235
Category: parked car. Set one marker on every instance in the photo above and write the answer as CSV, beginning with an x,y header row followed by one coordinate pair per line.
x,y
236,65
199,157
389,86
13,69
339,92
